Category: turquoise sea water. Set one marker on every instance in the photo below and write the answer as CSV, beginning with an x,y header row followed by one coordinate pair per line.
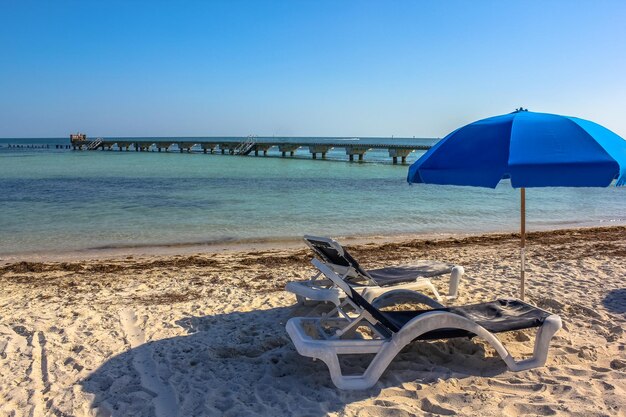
x,y
59,200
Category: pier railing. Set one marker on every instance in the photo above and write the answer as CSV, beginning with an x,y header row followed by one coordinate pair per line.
x,y
244,148
94,144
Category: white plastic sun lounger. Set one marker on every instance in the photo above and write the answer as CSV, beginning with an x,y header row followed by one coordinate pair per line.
x,y
393,330
370,283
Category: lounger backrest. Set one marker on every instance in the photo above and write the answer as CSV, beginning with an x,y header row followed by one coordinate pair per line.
x,y
353,295
332,252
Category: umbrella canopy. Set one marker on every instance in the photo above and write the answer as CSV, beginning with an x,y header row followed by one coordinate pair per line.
x,y
532,150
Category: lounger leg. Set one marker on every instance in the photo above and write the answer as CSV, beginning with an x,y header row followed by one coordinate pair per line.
x,y
455,279
550,326
433,289
352,382
332,362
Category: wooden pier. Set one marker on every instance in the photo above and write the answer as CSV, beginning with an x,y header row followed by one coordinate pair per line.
x,y
251,144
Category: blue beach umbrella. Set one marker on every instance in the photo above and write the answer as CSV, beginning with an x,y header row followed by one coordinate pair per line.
x,y
532,150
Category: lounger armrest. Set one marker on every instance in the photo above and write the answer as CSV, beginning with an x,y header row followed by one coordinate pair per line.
x,y
320,348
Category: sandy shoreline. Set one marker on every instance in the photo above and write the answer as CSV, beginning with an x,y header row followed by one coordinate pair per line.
x,y
203,334
246,245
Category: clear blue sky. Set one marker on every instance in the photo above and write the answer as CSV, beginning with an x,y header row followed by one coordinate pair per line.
x,y
352,68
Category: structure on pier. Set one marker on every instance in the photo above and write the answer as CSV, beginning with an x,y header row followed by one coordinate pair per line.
x,y
245,147
78,137
80,141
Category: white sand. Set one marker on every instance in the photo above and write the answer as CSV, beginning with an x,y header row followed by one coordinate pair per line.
x,y
204,335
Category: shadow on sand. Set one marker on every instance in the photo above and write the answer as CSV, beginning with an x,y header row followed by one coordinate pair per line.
x,y
243,364
615,301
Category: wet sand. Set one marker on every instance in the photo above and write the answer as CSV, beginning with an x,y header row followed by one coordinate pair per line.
x,y
203,334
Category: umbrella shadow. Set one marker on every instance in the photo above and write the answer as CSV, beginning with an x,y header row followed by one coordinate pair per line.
x,y
244,363
615,301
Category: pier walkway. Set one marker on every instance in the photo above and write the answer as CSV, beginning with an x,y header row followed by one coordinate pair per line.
x,y
353,147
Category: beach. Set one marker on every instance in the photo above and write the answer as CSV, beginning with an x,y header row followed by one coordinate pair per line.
x,y
170,171
203,333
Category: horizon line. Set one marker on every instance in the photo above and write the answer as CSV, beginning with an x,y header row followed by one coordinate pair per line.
x,y
228,136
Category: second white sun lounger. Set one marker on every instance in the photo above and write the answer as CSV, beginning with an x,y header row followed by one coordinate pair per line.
x,y
370,283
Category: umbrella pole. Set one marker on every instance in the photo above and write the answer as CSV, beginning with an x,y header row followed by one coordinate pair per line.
x,y
523,241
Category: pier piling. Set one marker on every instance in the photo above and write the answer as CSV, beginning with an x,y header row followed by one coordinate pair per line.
x,y
356,150
321,149
288,147
394,153
261,147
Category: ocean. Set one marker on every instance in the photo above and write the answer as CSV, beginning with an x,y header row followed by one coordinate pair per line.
x,y
58,200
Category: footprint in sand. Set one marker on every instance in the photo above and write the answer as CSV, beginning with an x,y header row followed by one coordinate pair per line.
x,y
429,406
164,402
511,387
618,364
529,409
37,372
